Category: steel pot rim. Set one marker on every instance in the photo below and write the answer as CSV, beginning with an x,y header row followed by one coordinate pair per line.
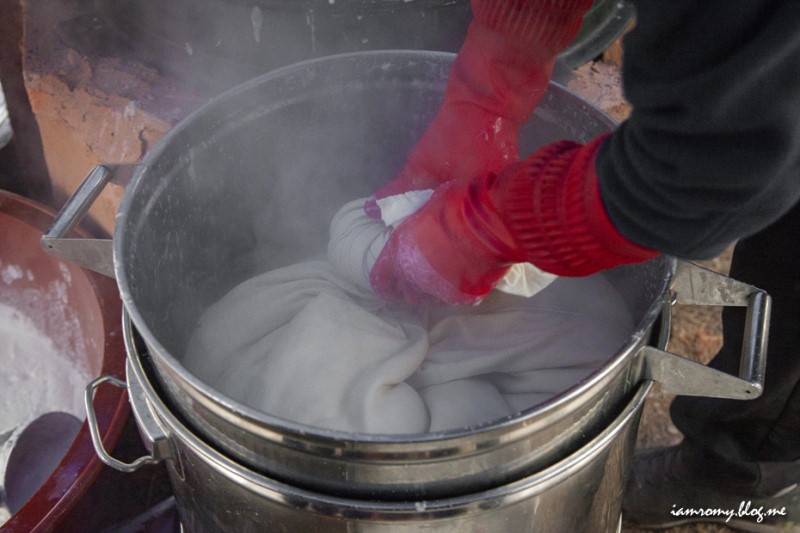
x,y
400,443
322,503
216,400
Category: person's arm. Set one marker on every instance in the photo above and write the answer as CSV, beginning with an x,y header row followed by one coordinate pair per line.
x,y
711,150
546,210
499,76
709,154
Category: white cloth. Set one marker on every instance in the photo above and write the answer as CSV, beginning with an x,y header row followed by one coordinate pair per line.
x,y
310,343
522,279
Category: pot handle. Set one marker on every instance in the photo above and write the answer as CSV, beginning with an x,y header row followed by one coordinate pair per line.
x,y
695,285
156,440
94,254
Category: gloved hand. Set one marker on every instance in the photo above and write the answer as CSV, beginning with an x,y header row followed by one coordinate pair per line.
x,y
546,210
499,76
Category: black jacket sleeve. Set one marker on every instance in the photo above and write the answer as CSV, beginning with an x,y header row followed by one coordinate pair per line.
x,y
711,151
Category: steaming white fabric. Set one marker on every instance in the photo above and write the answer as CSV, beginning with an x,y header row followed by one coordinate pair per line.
x,y
522,279
311,343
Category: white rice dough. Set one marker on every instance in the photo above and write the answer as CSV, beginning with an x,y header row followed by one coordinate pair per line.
x,y
356,241
311,343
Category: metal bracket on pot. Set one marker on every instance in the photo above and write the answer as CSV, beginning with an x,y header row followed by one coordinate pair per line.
x,y
695,285
94,254
154,436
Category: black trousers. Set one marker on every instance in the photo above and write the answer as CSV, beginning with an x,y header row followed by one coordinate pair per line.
x,y
754,446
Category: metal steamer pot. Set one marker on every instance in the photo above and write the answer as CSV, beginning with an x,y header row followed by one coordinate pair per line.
x,y
205,211
581,493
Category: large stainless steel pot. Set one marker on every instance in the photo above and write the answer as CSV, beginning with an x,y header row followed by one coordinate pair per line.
x,y
580,493
202,213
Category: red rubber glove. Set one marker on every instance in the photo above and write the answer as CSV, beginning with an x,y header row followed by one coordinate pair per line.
x,y
499,76
546,210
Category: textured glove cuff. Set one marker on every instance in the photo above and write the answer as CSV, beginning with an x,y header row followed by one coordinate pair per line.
x,y
548,25
552,206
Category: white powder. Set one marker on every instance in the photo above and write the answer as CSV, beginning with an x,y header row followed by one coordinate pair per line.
x,y
10,273
35,378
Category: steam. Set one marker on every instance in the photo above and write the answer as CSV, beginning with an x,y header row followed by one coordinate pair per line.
x,y
214,45
258,20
